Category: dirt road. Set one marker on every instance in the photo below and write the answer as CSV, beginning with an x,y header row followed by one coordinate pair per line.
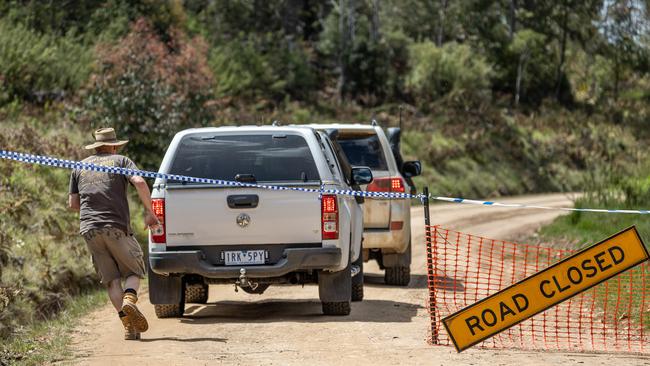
x,y
284,326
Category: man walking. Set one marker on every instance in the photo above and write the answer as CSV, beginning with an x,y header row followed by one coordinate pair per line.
x,y
104,219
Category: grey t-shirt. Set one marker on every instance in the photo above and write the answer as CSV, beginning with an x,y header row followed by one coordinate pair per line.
x,y
103,195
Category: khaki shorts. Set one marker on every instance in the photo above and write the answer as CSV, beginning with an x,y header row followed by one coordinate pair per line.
x,y
115,254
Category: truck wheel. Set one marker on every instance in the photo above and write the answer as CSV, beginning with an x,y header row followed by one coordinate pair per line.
x,y
397,276
167,295
336,308
357,281
398,270
169,310
335,291
196,293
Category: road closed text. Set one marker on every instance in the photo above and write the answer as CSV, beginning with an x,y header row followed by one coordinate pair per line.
x,y
546,288
575,275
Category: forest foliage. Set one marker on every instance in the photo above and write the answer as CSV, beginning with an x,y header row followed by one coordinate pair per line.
x,y
369,52
150,68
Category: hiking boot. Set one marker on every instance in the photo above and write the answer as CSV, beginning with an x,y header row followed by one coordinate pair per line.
x,y
136,318
129,332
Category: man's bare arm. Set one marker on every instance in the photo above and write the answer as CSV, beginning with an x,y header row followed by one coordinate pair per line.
x,y
141,186
74,202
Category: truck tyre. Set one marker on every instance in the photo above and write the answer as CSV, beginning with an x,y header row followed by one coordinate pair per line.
x,y
167,294
357,281
169,310
398,273
335,291
336,308
397,276
196,293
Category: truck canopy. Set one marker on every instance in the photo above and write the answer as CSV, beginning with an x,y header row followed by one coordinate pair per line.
x,y
267,157
199,214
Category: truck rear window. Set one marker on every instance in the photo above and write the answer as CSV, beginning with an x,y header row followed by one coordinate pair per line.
x,y
269,158
363,150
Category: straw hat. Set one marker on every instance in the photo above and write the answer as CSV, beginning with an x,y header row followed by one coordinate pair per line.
x,y
105,137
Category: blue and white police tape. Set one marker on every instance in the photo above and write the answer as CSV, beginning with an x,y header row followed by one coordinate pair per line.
x,y
519,205
71,164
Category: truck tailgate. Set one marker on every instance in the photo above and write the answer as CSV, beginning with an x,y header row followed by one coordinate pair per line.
x,y
202,216
376,212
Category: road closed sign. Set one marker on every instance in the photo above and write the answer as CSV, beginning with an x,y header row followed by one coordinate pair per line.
x,y
546,288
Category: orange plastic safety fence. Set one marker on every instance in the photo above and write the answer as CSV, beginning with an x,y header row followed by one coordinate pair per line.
x,y
463,269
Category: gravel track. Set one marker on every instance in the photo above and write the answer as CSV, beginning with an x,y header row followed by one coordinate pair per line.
x,y
284,326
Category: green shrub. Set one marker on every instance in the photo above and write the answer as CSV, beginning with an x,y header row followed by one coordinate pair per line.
x,y
449,70
529,53
43,260
262,67
637,191
37,66
148,90
368,62
506,155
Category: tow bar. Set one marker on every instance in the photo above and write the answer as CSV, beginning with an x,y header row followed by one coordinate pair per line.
x,y
244,281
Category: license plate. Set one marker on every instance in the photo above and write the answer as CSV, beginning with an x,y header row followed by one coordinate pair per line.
x,y
239,257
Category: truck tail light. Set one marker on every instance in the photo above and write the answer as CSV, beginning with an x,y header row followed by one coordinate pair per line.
x,y
330,217
159,235
397,185
393,185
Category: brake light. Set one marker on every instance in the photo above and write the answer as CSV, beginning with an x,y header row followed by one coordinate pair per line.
x,y
397,185
394,185
158,235
330,217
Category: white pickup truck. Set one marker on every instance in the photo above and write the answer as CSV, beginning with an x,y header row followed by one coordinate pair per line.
x,y
387,223
252,237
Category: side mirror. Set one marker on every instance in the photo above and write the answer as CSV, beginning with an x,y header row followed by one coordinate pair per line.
x,y
412,169
361,175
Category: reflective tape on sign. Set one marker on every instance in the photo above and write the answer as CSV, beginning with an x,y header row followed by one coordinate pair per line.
x,y
546,288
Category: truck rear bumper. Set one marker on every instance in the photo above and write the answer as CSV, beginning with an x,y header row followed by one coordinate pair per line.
x,y
394,240
293,259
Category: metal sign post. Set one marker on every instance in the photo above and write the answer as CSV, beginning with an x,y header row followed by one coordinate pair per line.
x,y
431,278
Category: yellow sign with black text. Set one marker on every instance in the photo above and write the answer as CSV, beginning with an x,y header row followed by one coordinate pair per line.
x,y
546,288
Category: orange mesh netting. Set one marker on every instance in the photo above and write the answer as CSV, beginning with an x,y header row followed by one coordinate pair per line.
x,y
463,269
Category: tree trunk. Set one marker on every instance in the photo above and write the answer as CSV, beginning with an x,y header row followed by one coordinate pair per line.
x,y
347,24
617,76
521,67
340,85
351,21
513,19
442,15
375,32
560,66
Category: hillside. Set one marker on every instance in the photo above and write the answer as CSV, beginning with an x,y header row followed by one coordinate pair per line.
x,y
497,98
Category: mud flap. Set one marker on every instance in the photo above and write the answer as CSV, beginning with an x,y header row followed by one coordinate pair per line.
x,y
165,289
397,259
335,286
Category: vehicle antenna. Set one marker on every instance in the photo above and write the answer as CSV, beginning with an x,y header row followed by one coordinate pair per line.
x,y
400,116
